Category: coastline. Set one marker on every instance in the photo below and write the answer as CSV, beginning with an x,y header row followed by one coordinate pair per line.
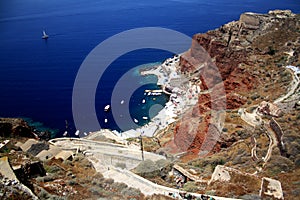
x,y
183,95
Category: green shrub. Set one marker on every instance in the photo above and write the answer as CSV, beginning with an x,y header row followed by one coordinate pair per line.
x,y
162,163
190,187
109,181
43,194
255,96
52,169
121,165
72,182
94,191
40,179
132,192
119,186
271,51
48,178
297,161
225,129
210,192
278,164
148,169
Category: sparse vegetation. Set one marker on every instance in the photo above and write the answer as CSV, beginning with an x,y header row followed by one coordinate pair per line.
x,y
190,187
148,169
121,165
271,51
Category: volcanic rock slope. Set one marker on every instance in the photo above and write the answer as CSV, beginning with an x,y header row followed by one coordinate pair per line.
x,y
251,55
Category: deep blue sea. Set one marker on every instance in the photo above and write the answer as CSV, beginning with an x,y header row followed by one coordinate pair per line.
x,y
37,76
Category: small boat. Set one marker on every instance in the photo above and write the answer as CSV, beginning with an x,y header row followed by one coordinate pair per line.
x,y
145,118
122,102
77,133
105,120
143,101
45,36
107,108
135,120
65,133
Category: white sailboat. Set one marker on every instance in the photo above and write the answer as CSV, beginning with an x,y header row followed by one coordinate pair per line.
x,y
45,36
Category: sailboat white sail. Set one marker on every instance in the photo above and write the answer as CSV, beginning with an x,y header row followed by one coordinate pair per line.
x,y
45,36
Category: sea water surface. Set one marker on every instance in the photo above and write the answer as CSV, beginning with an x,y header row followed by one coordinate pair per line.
x,y
37,76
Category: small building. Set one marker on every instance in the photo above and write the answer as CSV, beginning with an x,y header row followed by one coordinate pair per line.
x,y
65,155
48,154
26,146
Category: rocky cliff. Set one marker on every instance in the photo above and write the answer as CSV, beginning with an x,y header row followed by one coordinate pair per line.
x,y
251,60
250,55
17,127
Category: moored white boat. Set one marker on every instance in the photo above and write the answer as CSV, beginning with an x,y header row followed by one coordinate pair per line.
x,y
107,108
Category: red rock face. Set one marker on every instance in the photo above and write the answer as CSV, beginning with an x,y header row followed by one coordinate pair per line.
x,y
206,48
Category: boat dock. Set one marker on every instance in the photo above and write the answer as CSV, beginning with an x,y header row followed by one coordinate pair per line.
x,y
153,92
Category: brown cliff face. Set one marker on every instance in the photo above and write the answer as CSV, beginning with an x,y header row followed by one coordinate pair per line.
x,y
243,52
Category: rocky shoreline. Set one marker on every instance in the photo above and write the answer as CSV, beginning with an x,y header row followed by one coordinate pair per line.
x,y
183,95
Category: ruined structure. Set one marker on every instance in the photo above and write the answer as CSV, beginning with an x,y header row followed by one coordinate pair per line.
x,y
265,187
271,188
267,108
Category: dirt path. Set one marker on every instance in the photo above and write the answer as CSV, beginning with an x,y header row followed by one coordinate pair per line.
x,y
255,120
272,144
294,85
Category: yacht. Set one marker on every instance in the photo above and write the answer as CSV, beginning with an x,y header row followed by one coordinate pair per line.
x,y
45,36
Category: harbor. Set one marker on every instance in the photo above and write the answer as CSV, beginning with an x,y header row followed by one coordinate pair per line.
x,y
183,95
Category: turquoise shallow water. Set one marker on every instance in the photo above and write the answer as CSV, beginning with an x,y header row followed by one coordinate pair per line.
x,y
37,76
